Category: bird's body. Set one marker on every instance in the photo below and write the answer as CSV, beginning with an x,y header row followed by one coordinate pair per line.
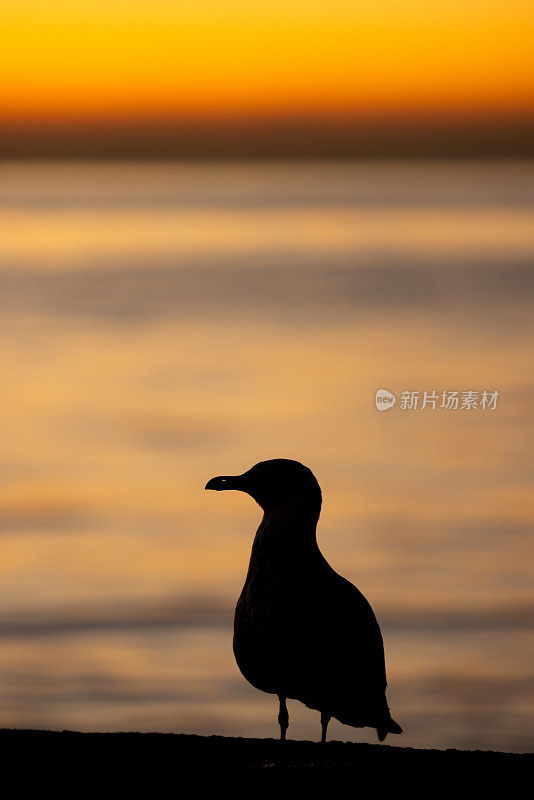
x,y
301,630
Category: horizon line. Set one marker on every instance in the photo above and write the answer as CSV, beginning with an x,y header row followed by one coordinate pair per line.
x,y
272,137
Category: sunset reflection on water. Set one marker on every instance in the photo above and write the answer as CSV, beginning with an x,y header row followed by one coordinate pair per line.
x,y
162,324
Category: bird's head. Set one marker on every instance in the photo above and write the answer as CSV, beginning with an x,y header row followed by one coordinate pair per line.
x,y
274,485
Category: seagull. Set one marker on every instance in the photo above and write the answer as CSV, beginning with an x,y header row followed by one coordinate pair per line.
x,y
301,631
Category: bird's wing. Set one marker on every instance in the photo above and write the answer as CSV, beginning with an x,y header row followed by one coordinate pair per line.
x,y
346,635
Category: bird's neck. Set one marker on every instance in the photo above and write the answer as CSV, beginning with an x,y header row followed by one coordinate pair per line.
x,y
286,533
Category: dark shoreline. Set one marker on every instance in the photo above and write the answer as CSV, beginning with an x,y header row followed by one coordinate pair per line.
x,y
34,759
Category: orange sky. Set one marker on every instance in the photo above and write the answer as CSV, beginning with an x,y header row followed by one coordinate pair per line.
x,y
166,58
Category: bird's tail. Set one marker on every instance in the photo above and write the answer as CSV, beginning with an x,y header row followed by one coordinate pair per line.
x,y
390,727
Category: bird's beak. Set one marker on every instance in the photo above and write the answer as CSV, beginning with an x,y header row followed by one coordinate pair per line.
x,y
223,482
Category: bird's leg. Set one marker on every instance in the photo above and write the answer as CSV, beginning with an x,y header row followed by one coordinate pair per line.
x,y
325,719
283,717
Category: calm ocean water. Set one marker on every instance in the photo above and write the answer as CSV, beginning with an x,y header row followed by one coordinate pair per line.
x,y
161,324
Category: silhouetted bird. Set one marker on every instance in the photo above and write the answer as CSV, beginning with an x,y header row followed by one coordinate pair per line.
x,y
302,631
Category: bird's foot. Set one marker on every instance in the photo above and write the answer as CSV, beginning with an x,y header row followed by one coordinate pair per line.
x,y
283,718
325,719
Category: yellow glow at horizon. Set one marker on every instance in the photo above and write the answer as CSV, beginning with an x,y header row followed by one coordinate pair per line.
x,y
240,56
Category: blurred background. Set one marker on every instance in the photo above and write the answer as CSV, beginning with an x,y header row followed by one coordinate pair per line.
x,y
223,228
